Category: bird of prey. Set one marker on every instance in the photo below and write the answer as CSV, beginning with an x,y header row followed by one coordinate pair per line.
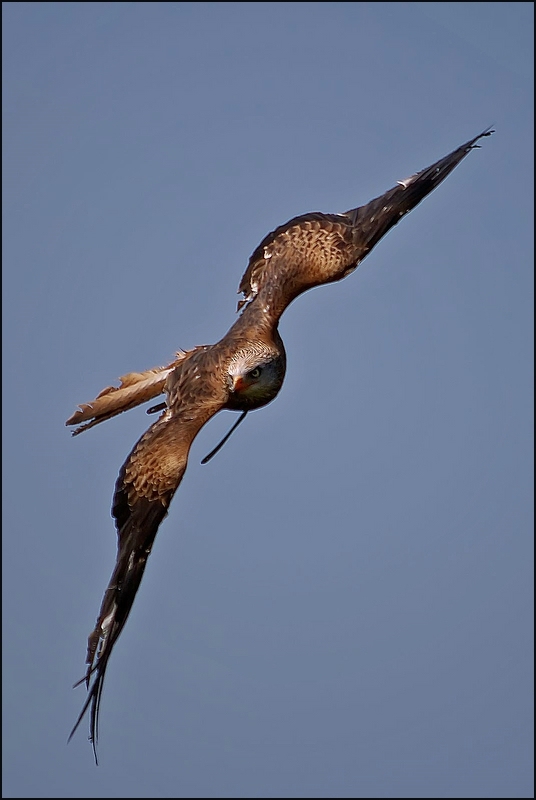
x,y
243,371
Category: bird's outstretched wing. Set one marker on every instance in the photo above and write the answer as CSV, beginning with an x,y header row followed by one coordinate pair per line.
x,y
134,389
318,248
146,484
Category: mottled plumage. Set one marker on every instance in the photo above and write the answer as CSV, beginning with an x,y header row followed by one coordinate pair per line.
x,y
243,371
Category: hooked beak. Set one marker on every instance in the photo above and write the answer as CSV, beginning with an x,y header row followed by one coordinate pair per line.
x,y
238,384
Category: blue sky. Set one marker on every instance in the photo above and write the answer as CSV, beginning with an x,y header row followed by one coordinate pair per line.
x,y
340,603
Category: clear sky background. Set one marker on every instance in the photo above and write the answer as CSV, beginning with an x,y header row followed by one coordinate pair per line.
x,y
340,603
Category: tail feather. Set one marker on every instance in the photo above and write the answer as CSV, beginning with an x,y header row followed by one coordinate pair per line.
x,y
135,388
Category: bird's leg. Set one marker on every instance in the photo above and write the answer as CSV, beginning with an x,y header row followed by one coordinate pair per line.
x,y
154,409
220,445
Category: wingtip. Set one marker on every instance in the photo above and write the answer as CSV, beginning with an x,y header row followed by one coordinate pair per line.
x,y
486,132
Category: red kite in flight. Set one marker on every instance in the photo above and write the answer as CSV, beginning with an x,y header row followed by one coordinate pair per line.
x,y
243,371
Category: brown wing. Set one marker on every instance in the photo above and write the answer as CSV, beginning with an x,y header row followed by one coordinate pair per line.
x,y
320,248
146,484
135,388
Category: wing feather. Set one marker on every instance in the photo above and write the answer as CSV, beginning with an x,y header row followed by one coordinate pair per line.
x,y
144,489
372,221
317,248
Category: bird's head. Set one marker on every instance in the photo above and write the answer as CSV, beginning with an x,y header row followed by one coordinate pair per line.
x,y
255,376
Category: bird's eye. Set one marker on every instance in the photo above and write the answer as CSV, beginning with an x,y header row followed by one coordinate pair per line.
x,y
255,373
